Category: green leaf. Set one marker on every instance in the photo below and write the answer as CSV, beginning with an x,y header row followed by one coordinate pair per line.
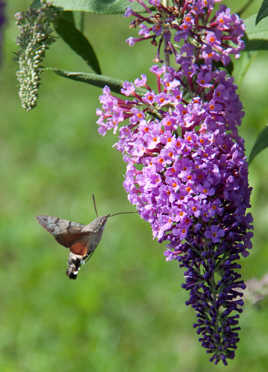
x,y
92,79
65,27
263,12
257,35
97,6
260,144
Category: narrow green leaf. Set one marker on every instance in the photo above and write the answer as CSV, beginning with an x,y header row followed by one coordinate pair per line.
x,y
65,27
260,144
97,6
92,79
263,11
257,36
254,45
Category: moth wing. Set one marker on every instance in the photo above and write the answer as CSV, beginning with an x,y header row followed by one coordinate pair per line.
x,y
77,242
66,233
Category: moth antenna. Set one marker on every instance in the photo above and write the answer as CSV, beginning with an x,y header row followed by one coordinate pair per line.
x,y
116,214
94,203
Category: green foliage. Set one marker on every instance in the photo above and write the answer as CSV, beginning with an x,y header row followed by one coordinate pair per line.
x,y
257,35
260,144
65,27
92,79
263,12
126,311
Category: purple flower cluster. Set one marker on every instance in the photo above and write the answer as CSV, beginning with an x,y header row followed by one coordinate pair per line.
x,y
215,39
186,168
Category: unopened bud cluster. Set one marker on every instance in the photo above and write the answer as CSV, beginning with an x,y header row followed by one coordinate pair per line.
x,y
35,37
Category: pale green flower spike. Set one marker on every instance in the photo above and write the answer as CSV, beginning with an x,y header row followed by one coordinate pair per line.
x,y
35,36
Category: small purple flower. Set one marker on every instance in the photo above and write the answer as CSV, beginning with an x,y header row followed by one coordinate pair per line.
x,y
214,233
132,41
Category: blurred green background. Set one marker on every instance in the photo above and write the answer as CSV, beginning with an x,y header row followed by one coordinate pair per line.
x,y
126,311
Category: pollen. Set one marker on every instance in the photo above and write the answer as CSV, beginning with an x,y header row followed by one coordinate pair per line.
x,y
212,106
174,184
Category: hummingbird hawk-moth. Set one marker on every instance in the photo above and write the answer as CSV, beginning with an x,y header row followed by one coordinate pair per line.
x,y
82,240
